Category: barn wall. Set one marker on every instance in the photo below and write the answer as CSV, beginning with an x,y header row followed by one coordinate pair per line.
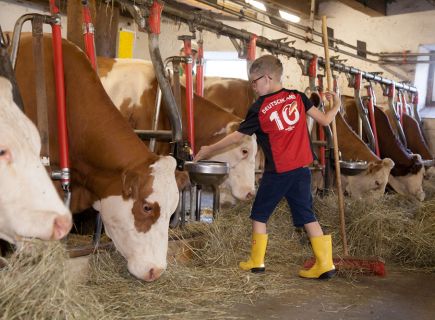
x,y
10,11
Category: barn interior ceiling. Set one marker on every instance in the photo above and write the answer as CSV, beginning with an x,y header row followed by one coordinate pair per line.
x,y
373,8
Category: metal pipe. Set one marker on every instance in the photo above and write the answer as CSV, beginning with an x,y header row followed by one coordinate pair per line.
x,y
17,32
275,46
189,92
391,92
371,108
156,58
404,62
406,54
170,103
200,68
292,24
60,101
88,34
363,113
161,135
156,116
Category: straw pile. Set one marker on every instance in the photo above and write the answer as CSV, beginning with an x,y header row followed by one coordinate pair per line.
x,y
399,230
34,285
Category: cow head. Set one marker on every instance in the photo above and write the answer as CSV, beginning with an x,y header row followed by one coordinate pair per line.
x,y
138,221
410,184
29,203
240,183
371,182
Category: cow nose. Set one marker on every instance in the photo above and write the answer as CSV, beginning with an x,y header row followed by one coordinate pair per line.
x,y
250,195
153,274
61,226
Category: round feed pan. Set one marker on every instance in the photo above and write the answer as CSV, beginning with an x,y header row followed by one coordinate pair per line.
x,y
207,172
352,168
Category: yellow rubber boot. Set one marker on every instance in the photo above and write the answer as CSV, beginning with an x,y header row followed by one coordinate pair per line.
x,y
324,267
256,261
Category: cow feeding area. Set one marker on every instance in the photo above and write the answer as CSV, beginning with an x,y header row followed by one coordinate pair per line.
x,y
36,284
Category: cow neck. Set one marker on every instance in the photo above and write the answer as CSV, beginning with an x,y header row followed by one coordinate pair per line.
x,y
208,118
97,117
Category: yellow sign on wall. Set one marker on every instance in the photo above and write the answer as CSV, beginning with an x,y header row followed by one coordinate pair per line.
x,y
126,43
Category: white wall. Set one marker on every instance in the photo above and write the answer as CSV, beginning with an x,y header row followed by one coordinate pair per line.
x,y
395,33
10,11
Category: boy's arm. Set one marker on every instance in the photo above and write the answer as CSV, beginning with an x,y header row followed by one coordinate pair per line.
x,y
326,118
206,151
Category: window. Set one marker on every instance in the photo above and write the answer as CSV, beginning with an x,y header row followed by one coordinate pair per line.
x,y
430,96
224,64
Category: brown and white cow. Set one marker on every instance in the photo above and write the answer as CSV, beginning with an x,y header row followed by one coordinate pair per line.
x,y
373,180
415,141
132,86
111,169
233,95
29,203
407,174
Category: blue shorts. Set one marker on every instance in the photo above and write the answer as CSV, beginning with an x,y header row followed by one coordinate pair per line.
x,y
295,186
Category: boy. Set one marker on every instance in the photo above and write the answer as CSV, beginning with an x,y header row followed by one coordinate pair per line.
x,y
278,118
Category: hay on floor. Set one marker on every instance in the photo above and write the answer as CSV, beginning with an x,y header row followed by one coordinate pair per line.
x,y
395,228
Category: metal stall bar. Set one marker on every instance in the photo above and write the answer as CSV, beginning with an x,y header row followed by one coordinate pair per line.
x,y
88,34
61,102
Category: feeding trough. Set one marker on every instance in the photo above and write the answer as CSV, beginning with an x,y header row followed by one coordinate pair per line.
x,y
352,168
205,173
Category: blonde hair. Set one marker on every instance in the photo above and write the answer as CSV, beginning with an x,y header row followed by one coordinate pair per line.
x,y
267,64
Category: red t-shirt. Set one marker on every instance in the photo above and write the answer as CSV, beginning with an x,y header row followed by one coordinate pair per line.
x,y
279,121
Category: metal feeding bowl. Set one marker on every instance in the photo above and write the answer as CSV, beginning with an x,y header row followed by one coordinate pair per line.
x,y
352,168
206,172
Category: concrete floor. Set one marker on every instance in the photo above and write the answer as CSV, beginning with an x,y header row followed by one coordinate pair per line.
x,y
398,296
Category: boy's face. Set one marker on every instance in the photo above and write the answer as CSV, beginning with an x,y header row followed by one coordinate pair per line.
x,y
261,83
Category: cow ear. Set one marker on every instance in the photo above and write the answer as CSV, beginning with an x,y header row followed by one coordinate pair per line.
x,y
388,163
130,181
232,126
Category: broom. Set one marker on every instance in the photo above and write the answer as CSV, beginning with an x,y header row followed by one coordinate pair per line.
x,y
346,263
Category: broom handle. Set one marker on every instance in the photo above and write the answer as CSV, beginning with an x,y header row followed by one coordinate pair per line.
x,y
334,134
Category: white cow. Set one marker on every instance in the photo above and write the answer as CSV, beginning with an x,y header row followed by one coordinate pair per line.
x,y
132,84
29,203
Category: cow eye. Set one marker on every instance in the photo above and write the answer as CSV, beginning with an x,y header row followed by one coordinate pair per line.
x,y
245,153
147,208
4,153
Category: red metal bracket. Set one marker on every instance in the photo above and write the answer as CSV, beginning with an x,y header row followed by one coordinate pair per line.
x,y
200,69
60,97
252,46
154,18
88,34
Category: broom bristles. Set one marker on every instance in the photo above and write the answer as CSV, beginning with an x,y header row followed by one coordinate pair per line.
x,y
369,266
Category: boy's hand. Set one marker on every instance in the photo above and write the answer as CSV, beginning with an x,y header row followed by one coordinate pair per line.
x,y
334,97
203,153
